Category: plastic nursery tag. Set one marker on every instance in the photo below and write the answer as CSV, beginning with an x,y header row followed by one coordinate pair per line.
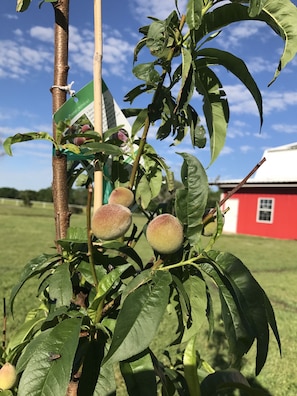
x,y
78,110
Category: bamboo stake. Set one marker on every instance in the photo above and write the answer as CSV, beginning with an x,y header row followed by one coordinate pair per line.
x,y
97,78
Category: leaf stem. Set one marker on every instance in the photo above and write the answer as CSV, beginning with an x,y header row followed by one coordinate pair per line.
x,y
180,264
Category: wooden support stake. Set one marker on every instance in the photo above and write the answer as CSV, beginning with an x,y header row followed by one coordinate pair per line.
x,y
97,78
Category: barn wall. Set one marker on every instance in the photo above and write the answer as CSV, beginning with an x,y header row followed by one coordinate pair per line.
x,y
284,225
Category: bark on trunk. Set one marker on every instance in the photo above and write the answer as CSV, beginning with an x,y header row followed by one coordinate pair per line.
x,y
59,162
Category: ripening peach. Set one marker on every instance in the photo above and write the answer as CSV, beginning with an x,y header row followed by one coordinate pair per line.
x,y
80,139
121,195
111,221
210,228
165,234
7,376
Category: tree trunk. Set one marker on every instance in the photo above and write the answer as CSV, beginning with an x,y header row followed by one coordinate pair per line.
x,y
59,162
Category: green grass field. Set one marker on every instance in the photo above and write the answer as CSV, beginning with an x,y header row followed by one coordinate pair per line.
x,y
28,232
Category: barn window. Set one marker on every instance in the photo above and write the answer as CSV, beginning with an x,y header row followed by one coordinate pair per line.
x,y
265,210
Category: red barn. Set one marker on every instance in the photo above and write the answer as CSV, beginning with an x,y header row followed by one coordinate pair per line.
x,y
267,204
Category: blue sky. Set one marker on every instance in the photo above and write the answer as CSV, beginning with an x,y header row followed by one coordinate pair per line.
x,y
26,75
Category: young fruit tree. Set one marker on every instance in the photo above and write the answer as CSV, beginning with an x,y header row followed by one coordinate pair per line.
x,y
101,306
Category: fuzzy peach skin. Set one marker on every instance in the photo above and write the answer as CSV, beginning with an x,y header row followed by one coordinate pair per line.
x,y
165,234
7,376
111,221
121,195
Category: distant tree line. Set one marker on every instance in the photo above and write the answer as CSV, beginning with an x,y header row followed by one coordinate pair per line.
x,y
78,196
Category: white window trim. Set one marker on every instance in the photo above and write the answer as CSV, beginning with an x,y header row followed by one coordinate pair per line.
x,y
259,209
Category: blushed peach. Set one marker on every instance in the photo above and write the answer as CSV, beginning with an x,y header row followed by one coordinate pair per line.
x,y
111,221
165,234
121,195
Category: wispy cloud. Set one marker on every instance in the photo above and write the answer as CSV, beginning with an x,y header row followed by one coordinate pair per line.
x,y
227,150
285,128
19,57
42,33
236,34
16,62
258,64
245,148
156,8
278,101
10,16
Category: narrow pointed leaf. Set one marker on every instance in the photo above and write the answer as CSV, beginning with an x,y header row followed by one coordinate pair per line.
x,y
44,376
38,265
23,137
196,290
190,367
239,334
24,331
187,81
139,318
284,15
139,375
106,385
279,15
195,196
60,286
22,5
139,122
235,65
30,350
215,108
194,13
252,299
255,7
91,366
96,147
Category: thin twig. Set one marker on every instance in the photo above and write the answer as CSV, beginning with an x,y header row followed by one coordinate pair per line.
x,y
233,191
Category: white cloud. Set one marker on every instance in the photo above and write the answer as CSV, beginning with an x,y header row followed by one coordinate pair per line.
x,y
20,56
245,148
117,51
258,65
10,16
262,135
287,128
41,33
240,100
227,150
278,101
156,8
16,61
236,34
18,33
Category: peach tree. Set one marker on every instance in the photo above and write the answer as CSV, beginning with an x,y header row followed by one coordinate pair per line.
x,y
101,305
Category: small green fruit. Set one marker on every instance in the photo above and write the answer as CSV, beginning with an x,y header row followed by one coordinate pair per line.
x,y
7,376
165,234
111,221
210,228
121,195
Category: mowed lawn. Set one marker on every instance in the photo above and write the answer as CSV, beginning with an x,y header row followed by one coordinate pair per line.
x,y
28,232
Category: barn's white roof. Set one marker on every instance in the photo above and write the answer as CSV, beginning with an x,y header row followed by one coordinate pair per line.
x,y
280,165
279,168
